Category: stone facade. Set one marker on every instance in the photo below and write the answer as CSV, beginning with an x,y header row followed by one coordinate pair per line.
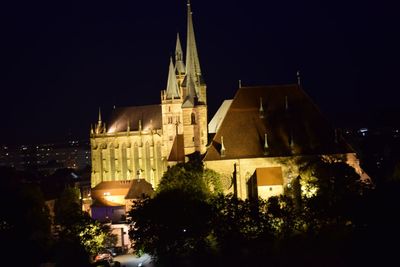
x,y
262,127
140,142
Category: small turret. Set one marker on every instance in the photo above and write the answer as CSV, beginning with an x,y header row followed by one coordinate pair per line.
x,y
286,103
261,109
193,78
298,78
265,144
222,147
99,128
172,85
179,65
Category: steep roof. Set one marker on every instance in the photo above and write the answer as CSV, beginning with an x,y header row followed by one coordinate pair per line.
x,y
177,151
285,114
219,116
139,188
114,187
172,85
149,115
269,176
102,202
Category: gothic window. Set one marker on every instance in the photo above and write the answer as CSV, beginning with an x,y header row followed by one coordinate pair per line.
x,y
193,118
124,162
112,162
147,160
158,162
136,156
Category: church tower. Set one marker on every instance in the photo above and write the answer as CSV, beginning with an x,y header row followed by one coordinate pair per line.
x,y
194,106
184,102
171,106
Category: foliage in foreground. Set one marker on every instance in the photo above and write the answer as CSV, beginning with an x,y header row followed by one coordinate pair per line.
x,y
78,234
185,226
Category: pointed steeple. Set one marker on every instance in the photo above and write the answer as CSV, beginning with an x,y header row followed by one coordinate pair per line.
x,y
99,127
99,122
179,64
172,85
193,72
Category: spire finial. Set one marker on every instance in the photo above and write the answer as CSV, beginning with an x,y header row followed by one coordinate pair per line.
x,y
140,125
291,142
265,144
298,78
128,128
222,147
193,71
179,65
286,103
99,116
261,110
240,83
336,136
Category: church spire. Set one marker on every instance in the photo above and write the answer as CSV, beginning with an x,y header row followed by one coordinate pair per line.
x,y
180,66
100,126
172,85
99,122
193,71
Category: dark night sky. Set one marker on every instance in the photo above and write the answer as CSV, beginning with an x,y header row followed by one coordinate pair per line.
x,y
61,60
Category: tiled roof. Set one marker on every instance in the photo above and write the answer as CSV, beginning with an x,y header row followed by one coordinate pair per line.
x,y
115,188
102,202
269,176
293,124
219,116
150,117
113,185
177,151
139,189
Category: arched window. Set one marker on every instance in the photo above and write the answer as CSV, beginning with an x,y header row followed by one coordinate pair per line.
x,y
193,118
124,162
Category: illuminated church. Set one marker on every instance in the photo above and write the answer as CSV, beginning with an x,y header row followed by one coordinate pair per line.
x,y
141,141
256,135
